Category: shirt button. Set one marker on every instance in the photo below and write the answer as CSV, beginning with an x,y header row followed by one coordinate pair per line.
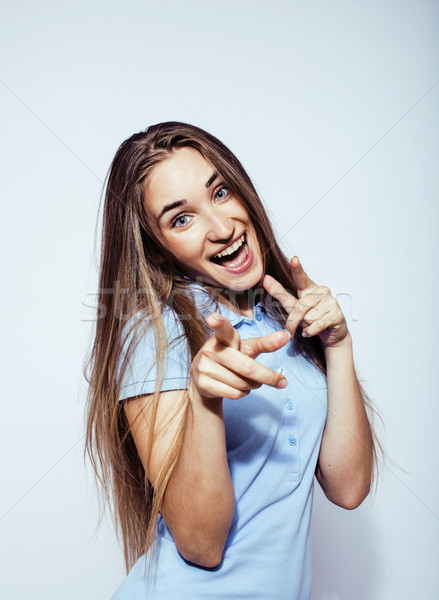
x,y
258,317
289,405
292,440
281,370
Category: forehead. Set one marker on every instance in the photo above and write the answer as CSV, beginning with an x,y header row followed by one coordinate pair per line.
x,y
175,177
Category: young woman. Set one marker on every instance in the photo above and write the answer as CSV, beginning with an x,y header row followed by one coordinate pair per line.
x,y
221,381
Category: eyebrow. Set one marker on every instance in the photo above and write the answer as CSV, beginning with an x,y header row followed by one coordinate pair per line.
x,y
179,203
211,179
171,206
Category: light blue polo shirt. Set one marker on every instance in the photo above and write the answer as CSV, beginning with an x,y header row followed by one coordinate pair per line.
x,y
273,440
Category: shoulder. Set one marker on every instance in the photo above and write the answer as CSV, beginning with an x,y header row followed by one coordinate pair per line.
x,y
145,328
154,351
150,330
201,297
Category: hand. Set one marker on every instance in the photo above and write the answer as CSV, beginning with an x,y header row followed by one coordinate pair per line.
x,y
225,367
315,309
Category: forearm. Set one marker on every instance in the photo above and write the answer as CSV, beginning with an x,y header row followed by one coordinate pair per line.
x,y
199,501
345,460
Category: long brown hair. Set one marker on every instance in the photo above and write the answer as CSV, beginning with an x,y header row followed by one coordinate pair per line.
x,y
131,280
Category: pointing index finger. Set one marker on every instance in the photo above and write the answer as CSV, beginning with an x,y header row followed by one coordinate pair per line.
x,y
277,290
224,330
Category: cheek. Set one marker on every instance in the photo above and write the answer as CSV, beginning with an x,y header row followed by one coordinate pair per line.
x,y
184,248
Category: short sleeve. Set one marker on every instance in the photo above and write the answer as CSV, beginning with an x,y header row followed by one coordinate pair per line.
x,y
140,375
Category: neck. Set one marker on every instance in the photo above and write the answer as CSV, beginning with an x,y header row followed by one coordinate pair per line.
x,y
240,302
245,301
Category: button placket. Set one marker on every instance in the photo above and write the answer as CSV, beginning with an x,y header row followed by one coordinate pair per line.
x,y
289,441
292,438
293,457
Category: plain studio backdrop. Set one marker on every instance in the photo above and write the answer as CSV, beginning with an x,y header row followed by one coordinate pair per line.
x,y
332,108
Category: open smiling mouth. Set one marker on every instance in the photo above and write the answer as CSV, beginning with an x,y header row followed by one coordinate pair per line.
x,y
236,256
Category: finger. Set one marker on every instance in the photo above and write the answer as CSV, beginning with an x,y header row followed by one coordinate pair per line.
x,y
267,343
224,330
216,371
316,312
301,279
319,325
277,290
211,388
301,309
247,367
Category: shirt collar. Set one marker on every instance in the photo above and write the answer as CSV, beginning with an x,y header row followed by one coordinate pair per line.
x,y
207,305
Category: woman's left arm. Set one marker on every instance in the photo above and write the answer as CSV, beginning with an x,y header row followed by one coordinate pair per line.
x,y
345,461
344,467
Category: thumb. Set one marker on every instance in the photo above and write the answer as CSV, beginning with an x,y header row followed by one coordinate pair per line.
x,y
267,343
301,279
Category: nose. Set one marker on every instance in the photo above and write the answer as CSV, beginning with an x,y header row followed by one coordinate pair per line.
x,y
221,227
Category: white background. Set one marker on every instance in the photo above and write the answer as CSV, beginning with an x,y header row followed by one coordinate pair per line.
x,y
332,108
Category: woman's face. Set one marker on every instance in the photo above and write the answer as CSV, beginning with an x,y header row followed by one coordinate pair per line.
x,y
201,223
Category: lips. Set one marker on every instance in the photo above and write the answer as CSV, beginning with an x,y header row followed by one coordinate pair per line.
x,y
236,257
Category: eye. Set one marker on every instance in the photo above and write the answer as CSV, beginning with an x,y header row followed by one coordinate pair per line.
x,y
180,221
221,193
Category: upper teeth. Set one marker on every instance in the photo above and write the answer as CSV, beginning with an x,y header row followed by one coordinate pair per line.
x,y
231,248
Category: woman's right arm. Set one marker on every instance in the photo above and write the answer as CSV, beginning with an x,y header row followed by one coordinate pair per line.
x,y
199,501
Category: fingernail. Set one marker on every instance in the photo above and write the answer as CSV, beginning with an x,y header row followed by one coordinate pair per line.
x,y
282,384
288,332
